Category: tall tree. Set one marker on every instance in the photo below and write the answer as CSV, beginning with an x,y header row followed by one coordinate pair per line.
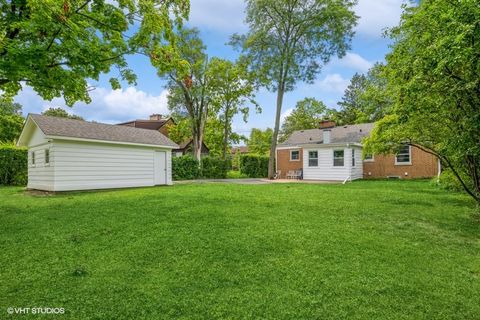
x,y
55,46
189,85
8,107
59,112
306,115
289,39
231,88
433,80
259,141
365,99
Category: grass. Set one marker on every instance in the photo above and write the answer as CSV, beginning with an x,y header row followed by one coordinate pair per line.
x,y
366,250
236,175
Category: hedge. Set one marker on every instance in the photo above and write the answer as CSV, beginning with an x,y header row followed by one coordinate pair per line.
x,y
13,165
187,168
254,166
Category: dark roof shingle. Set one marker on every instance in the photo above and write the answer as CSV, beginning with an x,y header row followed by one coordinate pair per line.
x,y
341,134
63,127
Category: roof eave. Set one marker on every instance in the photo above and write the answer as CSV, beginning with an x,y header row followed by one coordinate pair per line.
x,y
54,137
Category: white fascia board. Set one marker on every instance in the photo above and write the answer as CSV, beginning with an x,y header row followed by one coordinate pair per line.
x,y
109,142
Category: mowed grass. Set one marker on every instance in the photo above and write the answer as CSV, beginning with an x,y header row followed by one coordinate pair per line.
x,y
366,250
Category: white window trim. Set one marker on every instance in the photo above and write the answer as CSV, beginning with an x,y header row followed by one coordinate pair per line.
x,y
33,159
370,160
333,158
409,163
47,164
291,155
312,158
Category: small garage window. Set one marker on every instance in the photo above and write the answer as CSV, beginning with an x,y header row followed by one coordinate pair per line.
x,y
338,158
353,157
47,156
32,157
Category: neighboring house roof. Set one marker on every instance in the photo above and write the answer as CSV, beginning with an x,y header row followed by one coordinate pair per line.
x,y
56,127
241,149
341,134
147,124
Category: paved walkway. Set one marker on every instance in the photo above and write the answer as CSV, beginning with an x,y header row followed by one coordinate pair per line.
x,y
254,181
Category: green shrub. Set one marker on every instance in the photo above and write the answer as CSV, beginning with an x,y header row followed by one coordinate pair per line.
x,y
185,168
449,181
254,166
233,174
13,165
215,168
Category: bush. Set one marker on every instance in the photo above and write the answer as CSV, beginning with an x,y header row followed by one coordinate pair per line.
x,y
234,174
215,168
254,166
185,168
449,181
13,166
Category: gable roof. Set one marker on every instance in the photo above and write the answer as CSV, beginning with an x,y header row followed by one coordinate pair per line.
x,y
56,127
147,124
341,134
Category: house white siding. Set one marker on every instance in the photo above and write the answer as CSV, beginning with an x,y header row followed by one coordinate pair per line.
x,y
40,174
326,169
84,165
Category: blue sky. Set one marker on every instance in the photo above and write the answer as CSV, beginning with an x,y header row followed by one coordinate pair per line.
x,y
217,21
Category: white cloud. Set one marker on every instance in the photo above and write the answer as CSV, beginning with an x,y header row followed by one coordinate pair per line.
x,y
356,62
285,114
376,16
109,106
333,83
218,15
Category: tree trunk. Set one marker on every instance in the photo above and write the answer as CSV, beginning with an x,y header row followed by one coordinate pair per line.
x,y
273,147
226,133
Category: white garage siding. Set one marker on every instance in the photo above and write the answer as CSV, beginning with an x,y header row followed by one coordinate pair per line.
x,y
40,174
83,166
326,170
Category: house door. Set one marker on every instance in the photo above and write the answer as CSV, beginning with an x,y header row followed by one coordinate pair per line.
x,y
160,168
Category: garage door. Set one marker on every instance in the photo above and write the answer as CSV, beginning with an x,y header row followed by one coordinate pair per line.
x,y
160,167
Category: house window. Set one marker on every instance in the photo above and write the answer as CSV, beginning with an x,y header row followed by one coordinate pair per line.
x,y
404,155
294,155
313,158
338,158
33,158
368,157
353,157
47,156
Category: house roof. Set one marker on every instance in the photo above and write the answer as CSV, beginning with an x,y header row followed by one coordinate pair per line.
x,y
187,142
341,134
241,149
146,124
63,127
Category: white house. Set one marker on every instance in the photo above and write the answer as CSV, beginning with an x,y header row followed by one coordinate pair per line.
x,y
66,154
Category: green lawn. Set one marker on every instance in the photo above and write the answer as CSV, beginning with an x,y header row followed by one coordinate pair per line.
x,y
366,250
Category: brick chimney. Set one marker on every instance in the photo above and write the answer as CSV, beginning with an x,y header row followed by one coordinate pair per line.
x,y
326,124
156,116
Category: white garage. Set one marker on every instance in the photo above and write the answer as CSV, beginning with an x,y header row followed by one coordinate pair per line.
x,y
66,154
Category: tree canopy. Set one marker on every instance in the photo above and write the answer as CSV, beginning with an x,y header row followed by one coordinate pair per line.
x,y
11,121
433,80
59,112
289,40
259,141
56,46
306,115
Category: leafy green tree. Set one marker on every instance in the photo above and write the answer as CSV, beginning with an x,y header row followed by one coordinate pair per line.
x,y
306,115
59,112
231,88
55,46
10,127
259,141
433,80
189,88
365,99
8,107
289,40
